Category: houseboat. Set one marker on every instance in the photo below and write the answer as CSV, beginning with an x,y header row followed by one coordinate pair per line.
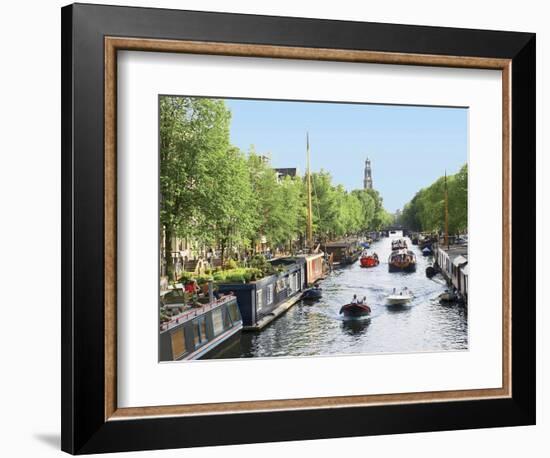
x,y
402,261
314,266
343,253
198,331
261,301
453,264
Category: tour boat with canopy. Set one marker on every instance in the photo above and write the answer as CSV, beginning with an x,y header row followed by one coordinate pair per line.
x,y
402,261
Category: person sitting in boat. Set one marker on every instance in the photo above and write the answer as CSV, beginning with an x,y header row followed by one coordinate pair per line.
x,y
393,291
364,301
354,300
192,287
375,256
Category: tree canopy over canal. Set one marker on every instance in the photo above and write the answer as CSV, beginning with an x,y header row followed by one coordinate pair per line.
x,y
220,196
426,211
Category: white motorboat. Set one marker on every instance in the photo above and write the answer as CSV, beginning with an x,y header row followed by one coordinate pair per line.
x,y
401,298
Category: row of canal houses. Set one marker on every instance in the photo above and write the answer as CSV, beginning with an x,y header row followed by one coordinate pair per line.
x,y
199,332
453,263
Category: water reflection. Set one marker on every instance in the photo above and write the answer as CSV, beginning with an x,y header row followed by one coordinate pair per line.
x,y
355,327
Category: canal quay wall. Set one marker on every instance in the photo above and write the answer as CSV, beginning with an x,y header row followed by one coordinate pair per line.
x,y
261,301
453,265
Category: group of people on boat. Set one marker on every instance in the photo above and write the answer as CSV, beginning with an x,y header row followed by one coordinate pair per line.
x,y
356,309
369,260
403,258
357,301
365,253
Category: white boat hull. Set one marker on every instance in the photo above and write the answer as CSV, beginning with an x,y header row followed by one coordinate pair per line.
x,y
398,300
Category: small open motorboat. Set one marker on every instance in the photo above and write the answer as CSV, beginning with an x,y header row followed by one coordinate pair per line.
x,y
400,298
355,311
369,260
312,294
450,297
431,271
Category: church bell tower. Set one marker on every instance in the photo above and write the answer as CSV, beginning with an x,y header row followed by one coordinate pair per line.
x,y
367,182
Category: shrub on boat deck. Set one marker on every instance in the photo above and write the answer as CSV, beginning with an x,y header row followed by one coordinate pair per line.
x,y
185,277
202,279
230,264
238,275
260,262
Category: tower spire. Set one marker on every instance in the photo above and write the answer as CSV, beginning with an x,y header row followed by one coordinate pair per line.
x,y
367,181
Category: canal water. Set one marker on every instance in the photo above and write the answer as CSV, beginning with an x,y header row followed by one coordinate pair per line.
x,y
423,325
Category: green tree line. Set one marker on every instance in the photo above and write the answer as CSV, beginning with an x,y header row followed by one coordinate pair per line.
x,y
222,197
426,211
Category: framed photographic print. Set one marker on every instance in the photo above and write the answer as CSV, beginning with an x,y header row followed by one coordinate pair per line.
x,y
271,222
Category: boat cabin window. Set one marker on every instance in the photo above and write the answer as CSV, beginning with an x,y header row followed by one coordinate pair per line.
x,y
259,299
217,321
269,294
227,318
200,331
233,312
178,343
292,283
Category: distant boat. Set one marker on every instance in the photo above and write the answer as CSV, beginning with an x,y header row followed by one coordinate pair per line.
x,y
450,297
431,271
399,244
343,252
402,261
368,260
355,311
312,294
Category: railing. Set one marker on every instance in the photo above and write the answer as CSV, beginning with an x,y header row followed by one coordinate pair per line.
x,y
195,312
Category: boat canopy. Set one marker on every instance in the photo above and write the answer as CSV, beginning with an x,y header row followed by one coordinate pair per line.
x,y
459,260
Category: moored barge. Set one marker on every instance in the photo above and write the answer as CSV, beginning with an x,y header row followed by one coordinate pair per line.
x,y
343,253
263,300
199,331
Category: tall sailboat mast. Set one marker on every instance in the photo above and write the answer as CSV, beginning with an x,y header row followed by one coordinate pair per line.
x,y
446,213
309,234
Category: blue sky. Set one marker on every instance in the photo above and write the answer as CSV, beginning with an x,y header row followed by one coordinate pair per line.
x,y
409,147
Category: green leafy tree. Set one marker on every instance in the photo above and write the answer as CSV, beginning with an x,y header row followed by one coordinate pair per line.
x,y
194,139
426,211
368,205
